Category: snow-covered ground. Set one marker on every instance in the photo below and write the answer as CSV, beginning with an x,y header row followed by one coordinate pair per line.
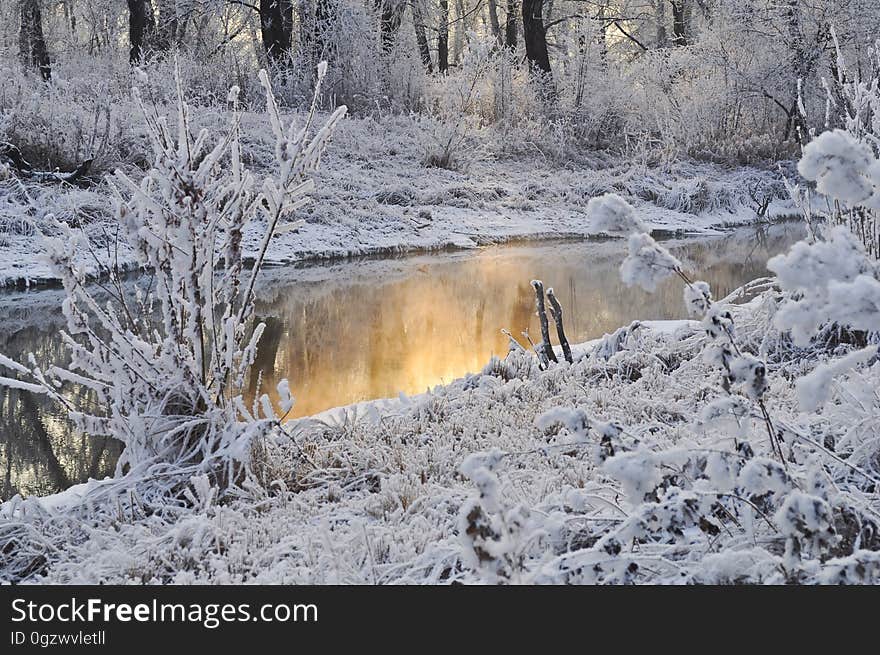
x,y
376,196
617,468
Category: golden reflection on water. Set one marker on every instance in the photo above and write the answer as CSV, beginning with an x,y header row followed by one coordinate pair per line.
x,y
360,341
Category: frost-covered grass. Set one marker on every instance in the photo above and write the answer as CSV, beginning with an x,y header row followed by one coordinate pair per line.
x,y
377,196
606,470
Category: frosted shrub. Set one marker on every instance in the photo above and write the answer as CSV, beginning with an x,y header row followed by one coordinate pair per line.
x,y
612,214
167,368
648,263
453,110
842,163
489,530
70,121
768,473
829,281
841,167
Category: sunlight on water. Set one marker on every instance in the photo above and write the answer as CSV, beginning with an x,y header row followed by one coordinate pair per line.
x,y
360,341
365,329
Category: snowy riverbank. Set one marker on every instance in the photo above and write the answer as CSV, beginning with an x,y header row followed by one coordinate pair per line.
x,y
376,197
656,485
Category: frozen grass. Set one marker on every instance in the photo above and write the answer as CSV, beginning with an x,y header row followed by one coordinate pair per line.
x,y
512,174
378,197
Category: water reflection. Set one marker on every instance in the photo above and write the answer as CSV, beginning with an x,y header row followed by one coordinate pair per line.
x,y
40,451
345,341
367,329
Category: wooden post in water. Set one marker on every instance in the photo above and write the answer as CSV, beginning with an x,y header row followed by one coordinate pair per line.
x,y
556,312
542,317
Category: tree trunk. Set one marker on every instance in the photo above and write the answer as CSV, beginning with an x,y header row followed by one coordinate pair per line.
x,y
556,312
546,346
679,22
510,25
140,28
602,38
494,24
801,68
32,45
460,27
660,23
70,15
421,35
276,26
390,17
535,38
443,38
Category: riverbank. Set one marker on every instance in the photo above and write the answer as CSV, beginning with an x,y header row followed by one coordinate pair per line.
x,y
376,197
397,324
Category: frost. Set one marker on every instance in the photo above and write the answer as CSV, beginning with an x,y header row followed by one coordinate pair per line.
x,y
807,522
727,410
862,567
637,473
831,282
168,371
761,475
814,388
839,164
575,421
697,298
648,263
612,214
286,400
811,266
751,374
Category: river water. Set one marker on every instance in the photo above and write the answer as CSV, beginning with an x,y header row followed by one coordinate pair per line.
x,y
371,328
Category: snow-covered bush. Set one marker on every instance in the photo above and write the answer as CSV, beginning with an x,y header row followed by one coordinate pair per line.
x,y
777,471
452,109
61,125
167,368
842,163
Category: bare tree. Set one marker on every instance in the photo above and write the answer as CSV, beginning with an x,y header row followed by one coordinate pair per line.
x,y
276,27
140,28
535,37
32,44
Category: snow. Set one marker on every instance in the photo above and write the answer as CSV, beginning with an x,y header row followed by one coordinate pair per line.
x,y
697,298
665,452
612,214
814,388
648,263
376,197
839,165
833,282
749,372
488,479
